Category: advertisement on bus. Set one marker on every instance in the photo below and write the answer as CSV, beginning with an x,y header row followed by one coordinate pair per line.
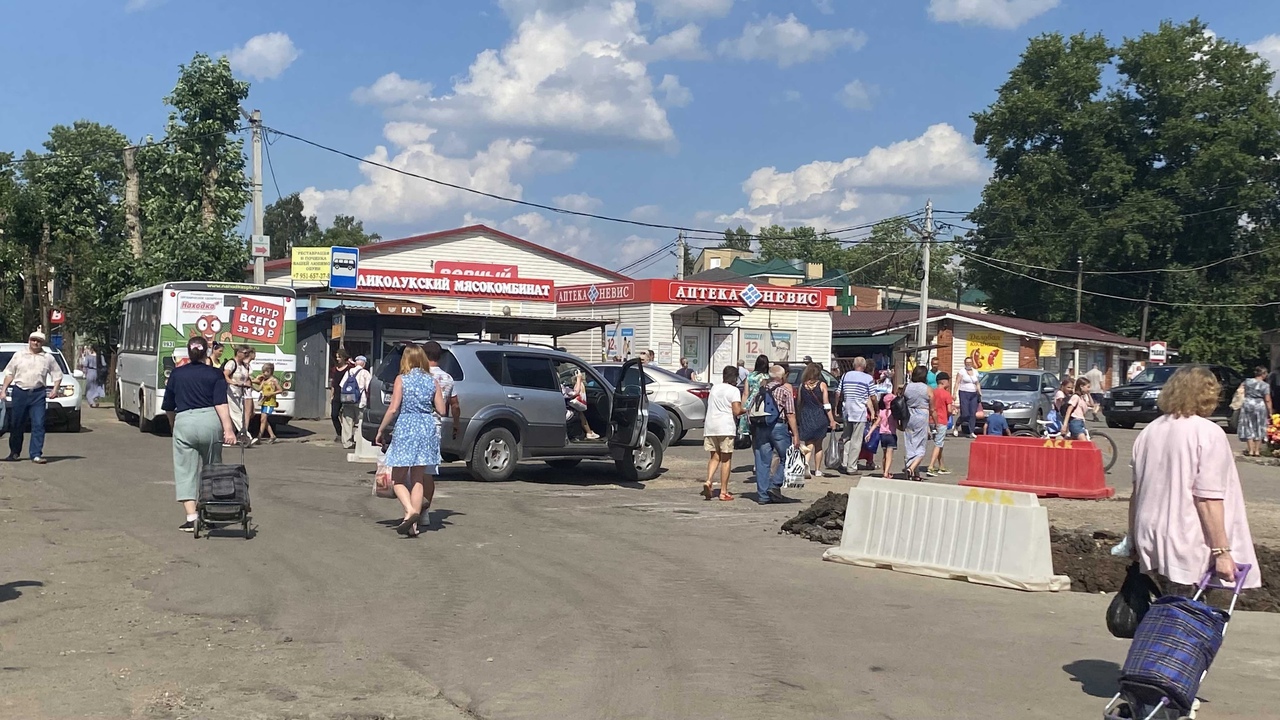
x,y
265,323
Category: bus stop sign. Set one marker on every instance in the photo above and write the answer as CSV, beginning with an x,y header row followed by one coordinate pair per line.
x,y
343,264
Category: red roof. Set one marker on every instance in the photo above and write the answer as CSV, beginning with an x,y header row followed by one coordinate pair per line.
x,y
874,321
285,263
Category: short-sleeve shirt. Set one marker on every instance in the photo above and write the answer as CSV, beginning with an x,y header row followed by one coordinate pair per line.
x,y
996,424
1175,460
967,381
785,399
932,379
942,405
194,386
720,421
445,381
33,371
855,388
917,395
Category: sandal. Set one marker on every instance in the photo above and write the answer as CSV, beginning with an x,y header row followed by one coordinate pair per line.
x,y
413,532
726,496
407,524
706,491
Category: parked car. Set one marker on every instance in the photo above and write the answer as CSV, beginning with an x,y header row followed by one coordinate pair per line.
x,y
62,412
513,409
1027,395
1127,405
685,400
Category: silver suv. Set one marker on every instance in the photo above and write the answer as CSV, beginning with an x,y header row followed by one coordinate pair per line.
x,y
513,408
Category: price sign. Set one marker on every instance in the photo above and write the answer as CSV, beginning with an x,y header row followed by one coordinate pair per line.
x,y
258,321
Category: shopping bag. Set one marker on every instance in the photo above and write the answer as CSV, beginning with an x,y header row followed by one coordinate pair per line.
x,y
382,483
872,443
794,469
833,450
1131,604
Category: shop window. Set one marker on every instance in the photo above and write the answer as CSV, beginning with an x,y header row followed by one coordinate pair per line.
x,y
532,372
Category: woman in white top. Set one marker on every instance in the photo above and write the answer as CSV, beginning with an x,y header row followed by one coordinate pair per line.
x,y
970,395
724,405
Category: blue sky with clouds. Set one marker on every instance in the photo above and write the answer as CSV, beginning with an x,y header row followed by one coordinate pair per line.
x,y
698,113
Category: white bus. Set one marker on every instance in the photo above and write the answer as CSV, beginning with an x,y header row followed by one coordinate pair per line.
x,y
157,322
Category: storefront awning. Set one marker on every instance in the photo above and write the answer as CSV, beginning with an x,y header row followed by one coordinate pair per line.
x,y
689,310
861,341
464,323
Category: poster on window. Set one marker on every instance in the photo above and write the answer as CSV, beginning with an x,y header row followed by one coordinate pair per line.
x,y
776,344
984,348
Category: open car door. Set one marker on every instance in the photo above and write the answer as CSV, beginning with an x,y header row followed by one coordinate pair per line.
x,y
629,416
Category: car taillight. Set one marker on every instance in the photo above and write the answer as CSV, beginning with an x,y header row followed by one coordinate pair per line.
x,y
702,393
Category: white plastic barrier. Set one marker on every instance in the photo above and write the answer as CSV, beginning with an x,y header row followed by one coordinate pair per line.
x,y
365,451
990,537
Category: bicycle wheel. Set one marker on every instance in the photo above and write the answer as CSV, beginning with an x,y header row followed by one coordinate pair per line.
x,y
1108,447
1024,433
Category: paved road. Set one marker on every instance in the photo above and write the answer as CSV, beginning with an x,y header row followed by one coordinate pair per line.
x,y
573,595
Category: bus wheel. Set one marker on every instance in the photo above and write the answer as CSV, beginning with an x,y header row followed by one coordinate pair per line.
x,y
145,423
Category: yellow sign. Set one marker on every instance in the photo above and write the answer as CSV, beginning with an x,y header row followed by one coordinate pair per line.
x,y
989,497
310,264
1058,443
1048,348
985,349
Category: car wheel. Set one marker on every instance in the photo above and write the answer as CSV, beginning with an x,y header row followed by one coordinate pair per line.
x,y
73,422
564,463
677,425
121,415
1112,423
643,463
494,457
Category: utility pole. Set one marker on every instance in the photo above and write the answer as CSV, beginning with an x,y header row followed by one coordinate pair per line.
x,y
1146,312
259,263
922,334
1079,284
132,212
680,256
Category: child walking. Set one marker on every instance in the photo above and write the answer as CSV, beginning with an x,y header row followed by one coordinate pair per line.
x,y
943,407
888,432
269,389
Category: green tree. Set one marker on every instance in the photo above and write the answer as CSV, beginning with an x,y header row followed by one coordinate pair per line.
x,y
738,239
194,189
1156,154
288,225
346,231
890,256
799,243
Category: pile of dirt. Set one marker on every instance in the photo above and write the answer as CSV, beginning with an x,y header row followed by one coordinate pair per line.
x,y
1082,555
1085,557
822,521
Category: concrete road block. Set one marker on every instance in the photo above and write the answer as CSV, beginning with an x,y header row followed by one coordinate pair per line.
x,y
990,537
365,452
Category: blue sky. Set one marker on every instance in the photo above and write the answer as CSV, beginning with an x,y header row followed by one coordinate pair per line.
x,y
701,113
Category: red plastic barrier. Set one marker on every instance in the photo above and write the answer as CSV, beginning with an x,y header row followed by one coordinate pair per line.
x,y
1046,467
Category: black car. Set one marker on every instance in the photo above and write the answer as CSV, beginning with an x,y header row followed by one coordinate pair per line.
x,y
1127,405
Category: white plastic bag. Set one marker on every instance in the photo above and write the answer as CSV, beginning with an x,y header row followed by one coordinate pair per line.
x,y
1124,549
794,469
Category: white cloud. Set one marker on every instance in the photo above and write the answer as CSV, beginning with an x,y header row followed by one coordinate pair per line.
x,y
391,89
1268,48
682,44
788,41
569,78
674,94
823,192
388,196
579,202
1003,14
263,57
858,95
824,6
138,5
692,8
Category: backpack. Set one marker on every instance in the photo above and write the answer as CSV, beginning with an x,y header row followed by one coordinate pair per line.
x,y
764,409
350,389
899,410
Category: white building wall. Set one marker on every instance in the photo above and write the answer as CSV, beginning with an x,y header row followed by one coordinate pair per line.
x,y
589,345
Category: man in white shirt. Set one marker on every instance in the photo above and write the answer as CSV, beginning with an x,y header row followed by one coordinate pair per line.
x,y
30,372
354,391
855,398
434,352
724,406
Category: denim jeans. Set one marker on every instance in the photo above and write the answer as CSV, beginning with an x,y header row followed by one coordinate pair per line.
x,y
767,442
27,404
968,412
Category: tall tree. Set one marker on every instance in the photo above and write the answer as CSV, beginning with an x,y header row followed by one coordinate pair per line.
x,y
1154,155
891,256
288,225
738,239
194,189
346,231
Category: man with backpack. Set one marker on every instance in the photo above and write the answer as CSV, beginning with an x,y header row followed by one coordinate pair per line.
x,y
772,418
855,398
354,394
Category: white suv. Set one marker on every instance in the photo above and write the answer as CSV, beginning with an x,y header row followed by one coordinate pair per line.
x,y
63,411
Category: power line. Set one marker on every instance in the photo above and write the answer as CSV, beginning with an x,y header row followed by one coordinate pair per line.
x,y
652,261
49,157
983,261
1139,223
627,267
1128,272
266,146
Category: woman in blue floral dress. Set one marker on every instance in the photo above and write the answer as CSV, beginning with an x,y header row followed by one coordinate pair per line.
x,y
415,444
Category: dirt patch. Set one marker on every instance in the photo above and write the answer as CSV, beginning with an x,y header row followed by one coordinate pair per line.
x,y
822,521
1084,555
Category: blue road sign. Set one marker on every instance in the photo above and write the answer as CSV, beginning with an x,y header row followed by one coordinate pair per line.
x,y
344,263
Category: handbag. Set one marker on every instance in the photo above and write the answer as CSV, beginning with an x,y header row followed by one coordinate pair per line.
x,y
833,453
794,468
1237,400
872,442
1131,604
